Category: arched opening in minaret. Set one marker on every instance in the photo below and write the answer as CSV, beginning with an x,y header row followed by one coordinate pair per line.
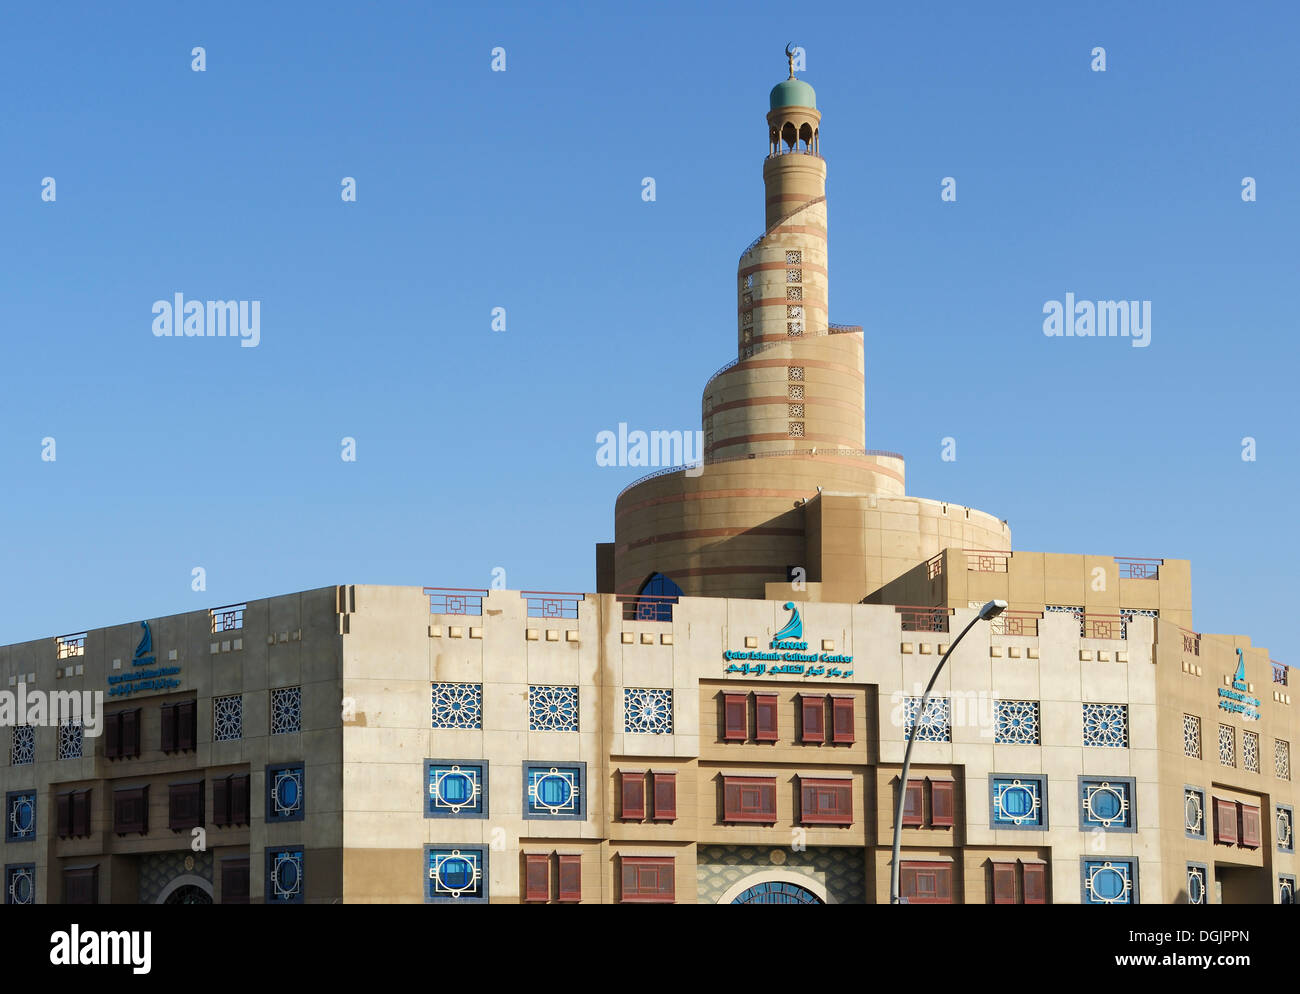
x,y
806,138
655,599
789,136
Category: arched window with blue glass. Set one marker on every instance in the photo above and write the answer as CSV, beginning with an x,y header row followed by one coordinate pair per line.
x,y
655,599
285,789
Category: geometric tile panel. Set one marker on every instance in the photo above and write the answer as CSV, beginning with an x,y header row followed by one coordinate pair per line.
x,y
935,725
1105,725
1191,736
156,870
1282,759
457,705
1227,746
1250,752
22,749
648,710
1016,722
553,709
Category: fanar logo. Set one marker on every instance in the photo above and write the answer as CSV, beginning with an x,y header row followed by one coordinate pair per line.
x,y
790,637
1239,678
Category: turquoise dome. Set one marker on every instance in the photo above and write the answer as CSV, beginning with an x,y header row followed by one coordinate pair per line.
x,y
793,93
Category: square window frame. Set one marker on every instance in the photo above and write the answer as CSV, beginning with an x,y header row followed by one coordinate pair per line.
x,y
1043,808
1130,782
485,875
1286,878
1205,869
480,764
10,838
531,765
1205,813
1290,810
273,769
11,868
271,852
1135,891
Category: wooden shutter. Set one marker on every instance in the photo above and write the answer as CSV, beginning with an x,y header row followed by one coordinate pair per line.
x,y
221,801
825,802
186,725
648,879
1004,883
239,799
184,805
234,880
812,711
537,885
81,813
1249,835
63,821
735,717
130,732
570,878
749,799
113,736
633,791
1035,883
168,713
913,815
131,811
925,883
81,886
842,719
1225,822
941,802
765,717
665,796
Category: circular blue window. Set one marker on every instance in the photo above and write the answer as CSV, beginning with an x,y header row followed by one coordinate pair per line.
x,y
455,788
554,790
1195,888
456,873
24,815
287,875
1018,802
1106,803
287,792
21,887
1108,883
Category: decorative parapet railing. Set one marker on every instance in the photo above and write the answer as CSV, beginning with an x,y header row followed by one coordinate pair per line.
x,y
1015,623
229,618
986,561
775,454
780,221
67,646
1191,641
552,603
916,618
1138,569
1279,672
844,329
455,600
647,607
934,567
1095,625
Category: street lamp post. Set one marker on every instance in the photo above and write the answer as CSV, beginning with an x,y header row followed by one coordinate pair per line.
x,y
989,611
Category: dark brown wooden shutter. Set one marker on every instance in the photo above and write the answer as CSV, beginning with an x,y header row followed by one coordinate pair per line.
x,y
941,802
234,880
81,813
570,878
1249,834
63,821
239,799
842,719
765,717
665,796
113,736
130,732
735,715
1035,883
913,815
168,713
221,801
184,805
1225,821
186,725
131,811
812,712
537,886
633,791
907,881
81,886
1004,883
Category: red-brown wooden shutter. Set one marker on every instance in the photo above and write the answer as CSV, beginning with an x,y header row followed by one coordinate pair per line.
x,y
186,725
941,802
913,815
63,821
81,886
221,801
168,713
825,802
234,880
842,719
749,799
925,883
907,882
665,796
1249,834
765,717
943,876
239,799
538,877
735,714
1035,883
633,791
812,711
570,878
1225,822
130,732
1004,883
113,736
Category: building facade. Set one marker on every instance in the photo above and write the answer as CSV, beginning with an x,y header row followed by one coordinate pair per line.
x,y
722,721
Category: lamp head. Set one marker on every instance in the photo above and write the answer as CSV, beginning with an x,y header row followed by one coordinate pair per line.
x,y
992,609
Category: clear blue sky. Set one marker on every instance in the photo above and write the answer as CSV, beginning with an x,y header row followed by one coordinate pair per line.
x,y
522,190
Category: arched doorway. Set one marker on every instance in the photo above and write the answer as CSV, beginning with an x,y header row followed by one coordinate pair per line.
x,y
776,892
656,598
188,888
